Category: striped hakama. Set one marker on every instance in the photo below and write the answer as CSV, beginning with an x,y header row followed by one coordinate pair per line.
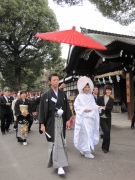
x,y
57,154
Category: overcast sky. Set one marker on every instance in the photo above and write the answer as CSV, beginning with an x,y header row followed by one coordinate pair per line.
x,y
85,16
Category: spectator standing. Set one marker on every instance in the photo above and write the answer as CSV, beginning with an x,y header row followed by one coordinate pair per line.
x,y
23,113
37,102
34,105
5,104
105,117
95,93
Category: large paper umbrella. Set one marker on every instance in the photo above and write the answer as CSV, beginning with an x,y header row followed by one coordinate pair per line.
x,y
71,37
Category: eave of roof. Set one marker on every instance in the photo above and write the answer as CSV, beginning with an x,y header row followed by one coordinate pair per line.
x,y
87,31
107,38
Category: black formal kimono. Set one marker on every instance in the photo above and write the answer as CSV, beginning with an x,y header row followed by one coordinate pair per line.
x,y
105,121
47,110
55,126
22,122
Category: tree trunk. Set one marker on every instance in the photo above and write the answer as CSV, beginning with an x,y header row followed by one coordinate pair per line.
x,y
18,78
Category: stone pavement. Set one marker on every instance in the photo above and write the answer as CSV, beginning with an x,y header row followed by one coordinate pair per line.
x,y
120,120
19,162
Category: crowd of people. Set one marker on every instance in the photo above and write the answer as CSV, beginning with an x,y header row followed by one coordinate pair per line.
x,y
10,112
89,113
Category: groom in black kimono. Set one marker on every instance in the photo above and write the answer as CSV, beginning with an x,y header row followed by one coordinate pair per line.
x,y
54,115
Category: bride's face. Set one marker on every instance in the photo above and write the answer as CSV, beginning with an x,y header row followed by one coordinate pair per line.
x,y
86,89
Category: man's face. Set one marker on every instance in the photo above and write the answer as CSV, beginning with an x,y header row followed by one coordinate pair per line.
x,y
54,81
95,91
7,93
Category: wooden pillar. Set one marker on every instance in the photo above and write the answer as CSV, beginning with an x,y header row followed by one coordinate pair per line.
x,y
130,94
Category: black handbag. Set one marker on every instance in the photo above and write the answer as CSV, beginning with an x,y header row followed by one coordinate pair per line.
x,y
123,107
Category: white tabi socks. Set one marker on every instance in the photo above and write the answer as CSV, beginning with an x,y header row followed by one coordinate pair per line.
x,y
61,171
89,155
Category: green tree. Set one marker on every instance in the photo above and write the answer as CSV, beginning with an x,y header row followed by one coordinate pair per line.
x,y
22,56
118,10
69,2
57,66
41,83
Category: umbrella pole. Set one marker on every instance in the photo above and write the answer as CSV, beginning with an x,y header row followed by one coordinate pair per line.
x,y
68,54
67,62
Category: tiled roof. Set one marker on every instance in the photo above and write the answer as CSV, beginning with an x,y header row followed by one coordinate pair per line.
x,y
106,38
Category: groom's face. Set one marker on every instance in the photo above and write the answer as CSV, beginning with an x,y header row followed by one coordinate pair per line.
x,y
54,81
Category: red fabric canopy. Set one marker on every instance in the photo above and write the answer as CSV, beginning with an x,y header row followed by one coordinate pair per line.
x,y
71,37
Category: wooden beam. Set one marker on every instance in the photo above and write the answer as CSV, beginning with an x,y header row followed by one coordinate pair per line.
x,y
108,68
129,93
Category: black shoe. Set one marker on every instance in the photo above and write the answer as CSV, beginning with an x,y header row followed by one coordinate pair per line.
x,y
132,127
3,133
7,130
105,151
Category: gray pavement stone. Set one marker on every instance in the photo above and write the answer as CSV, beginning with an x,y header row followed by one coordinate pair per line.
x,y
18,162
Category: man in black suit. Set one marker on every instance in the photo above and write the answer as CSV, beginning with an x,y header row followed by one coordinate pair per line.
x,y
5,103
95,93
33,103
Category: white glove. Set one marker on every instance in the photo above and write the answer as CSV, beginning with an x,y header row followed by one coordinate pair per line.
x,y
60,112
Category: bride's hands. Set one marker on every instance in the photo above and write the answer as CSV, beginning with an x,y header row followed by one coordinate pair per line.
x,y
101,107
87,110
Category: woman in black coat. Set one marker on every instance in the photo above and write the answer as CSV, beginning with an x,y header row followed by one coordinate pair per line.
x,y
105,116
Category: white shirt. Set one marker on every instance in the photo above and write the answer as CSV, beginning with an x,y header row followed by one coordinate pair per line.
x,y
56,93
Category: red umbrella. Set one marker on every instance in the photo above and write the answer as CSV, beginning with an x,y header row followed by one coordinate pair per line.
x,y
71,37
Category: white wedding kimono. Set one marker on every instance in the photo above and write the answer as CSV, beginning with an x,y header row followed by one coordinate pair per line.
x,y
86,132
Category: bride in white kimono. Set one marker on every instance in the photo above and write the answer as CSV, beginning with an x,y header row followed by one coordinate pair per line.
x,y
86,132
